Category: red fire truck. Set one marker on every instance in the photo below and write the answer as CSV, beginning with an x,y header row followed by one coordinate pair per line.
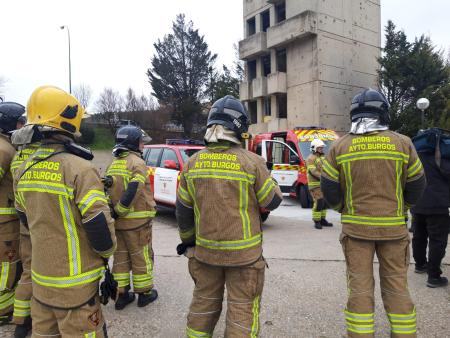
x,y
286,153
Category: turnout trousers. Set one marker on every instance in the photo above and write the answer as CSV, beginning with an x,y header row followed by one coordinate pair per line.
x,y
319,209
134,253
393,256
10,271
83,322
244,288
431,231
22,301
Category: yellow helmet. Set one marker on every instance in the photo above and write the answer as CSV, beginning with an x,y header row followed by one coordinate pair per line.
x,y
52,107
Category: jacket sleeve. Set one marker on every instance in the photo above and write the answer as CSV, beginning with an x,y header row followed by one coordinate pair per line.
x,y
5,163
329,181
313,167
135,185
185,211
95,214
267,191
415,180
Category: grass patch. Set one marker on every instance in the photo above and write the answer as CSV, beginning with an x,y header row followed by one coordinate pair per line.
x,y
103,140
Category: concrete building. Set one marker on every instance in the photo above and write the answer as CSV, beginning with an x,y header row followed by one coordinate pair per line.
x,y
305,59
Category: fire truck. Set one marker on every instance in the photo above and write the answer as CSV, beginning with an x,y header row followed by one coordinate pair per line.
x,y
286,152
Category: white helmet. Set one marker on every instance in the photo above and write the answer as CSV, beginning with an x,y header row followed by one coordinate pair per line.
x,y
315,144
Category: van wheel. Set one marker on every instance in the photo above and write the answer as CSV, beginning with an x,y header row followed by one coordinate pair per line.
x,y
304,197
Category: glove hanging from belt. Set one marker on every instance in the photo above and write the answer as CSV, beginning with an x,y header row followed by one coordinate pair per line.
x,y
182,247
108,288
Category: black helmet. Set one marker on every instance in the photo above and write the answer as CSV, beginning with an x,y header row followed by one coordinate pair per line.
x,y
370,103
128,137
10,112
230,113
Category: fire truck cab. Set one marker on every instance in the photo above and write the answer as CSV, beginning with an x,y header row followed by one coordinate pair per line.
x,y
286,153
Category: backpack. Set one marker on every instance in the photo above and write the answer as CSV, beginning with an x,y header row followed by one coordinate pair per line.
x,y
437,141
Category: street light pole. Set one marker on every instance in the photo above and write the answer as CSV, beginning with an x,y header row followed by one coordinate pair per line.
x,y
423,104
70,66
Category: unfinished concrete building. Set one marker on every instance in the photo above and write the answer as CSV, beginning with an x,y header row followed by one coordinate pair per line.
x,y
305,59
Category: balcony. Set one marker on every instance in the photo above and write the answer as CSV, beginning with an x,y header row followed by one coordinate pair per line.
x,y
276,83
253,46
259,87
245,91
297,27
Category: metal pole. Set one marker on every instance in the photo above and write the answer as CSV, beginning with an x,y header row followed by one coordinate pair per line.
x,y
70,63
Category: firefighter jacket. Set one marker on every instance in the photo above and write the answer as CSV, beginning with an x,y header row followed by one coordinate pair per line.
x,y
130,193
372,178
21,156
60,198
9,230
314,169
225,186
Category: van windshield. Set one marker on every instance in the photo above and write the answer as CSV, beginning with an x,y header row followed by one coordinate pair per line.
x,y
305,148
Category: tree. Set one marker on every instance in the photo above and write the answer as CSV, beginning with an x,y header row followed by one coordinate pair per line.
x,y
410,71
83,93
110,104
180,71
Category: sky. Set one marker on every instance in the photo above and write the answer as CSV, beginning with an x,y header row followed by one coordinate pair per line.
x,y
112,40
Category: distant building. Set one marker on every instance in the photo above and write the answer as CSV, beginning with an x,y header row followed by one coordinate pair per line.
x,y
305,59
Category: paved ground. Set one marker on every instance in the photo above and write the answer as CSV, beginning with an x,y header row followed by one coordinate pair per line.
x,y
304,292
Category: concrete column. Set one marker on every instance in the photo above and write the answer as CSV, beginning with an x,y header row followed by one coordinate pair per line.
x,y
274,107
260,110
273,61
258,23
259,67
272,15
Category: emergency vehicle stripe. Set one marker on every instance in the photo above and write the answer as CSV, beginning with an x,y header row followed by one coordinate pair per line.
x,y
265,190
197,334
243,209
140,214
415,168
373,220
332,172
139,178
67,282
4,276
8,211
22,308
349,188
47,187
229,245
255,324
372,155
398,189
90,198
184,195
6,300
123,279
73,243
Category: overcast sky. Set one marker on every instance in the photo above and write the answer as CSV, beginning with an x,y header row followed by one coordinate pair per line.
x,y
112,41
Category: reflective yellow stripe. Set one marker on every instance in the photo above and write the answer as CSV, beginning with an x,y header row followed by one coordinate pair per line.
x,y
8,211
374,220
22,308
191,190
92,334
313,184
145,280
359,317
139,178
398,188
255,324
229,245
89,199
184,195
221,174
265,190
6,300
2,172
415,168
73,243
197,334
348,188
186,234
140,214
4,276
68,282
122,209
372,155
45,186
122,279
243,209
332,172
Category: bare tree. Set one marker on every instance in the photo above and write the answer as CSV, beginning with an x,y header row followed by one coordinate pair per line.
x,y
110,104
83,92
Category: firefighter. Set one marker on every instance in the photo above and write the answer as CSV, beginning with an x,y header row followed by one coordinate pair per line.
x,y
223,191
27,140
314,167
134,209
11,267
60,199
370,175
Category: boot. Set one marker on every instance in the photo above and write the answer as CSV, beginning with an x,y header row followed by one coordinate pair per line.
x,y
21,331
318,225
437,282
146,298
325,223
124,299
421,268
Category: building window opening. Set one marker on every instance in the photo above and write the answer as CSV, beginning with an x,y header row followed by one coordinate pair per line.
x,y
251,26
265,20
267,106
281,60
280,12
282,106
252,109
266,65
251,70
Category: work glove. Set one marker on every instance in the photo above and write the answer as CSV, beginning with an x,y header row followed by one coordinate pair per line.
x,y
113,211
108,181
182,247
108,288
